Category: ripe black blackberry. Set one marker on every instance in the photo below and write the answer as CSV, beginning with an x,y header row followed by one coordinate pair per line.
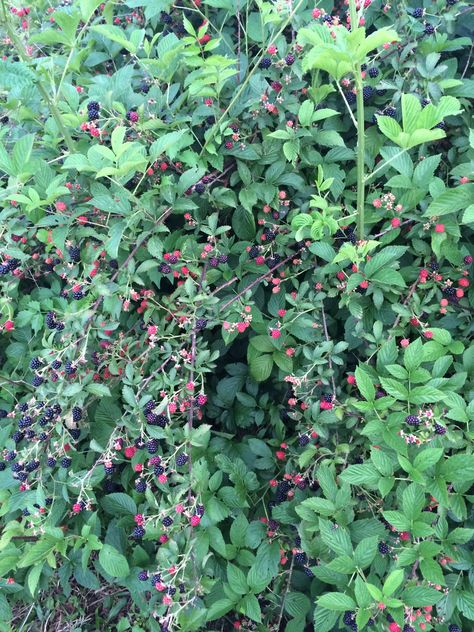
x,y
373,72
200,510
167,521
37,380
451,3
25,422
166,18
32,466
272,262
368,93
390,111
413,420
143,576
155,578
434,265
308,572
439,429
76,414
18,436
164,268
181,459
59,326
75,433
3,413
75,254
199,187
140,485
51,461
408,628
138,533
301,558
418,12
454,628
144,87
93,109
50,320
265,63
201,324
16,467
213,262
429,29
254,252
383,548
3,466
173,259
289,59
152,446
69,368
223,258
181,588
303,440
78,295
66,462
35,364
449,291
4,269
349,617
171,590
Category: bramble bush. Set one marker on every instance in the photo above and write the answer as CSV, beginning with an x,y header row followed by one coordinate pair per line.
x,y
236,316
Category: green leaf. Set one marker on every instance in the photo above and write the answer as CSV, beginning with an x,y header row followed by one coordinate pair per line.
x,y
39,551
426,395
394,388
219,608
411,107
413,501
324,619
305,113
418,596
238,530
236,579
390,128
118,503
427,458
364,384
297,604
336,601
413,356
243,223
115,34
113,562
261,367
397,519
451,200
337,538
365,551
360,474
432,572
250,607
393,581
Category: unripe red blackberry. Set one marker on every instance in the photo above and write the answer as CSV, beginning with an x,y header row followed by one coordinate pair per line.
x,y
468,259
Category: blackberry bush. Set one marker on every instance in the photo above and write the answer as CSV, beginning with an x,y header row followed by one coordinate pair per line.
x,y
236,316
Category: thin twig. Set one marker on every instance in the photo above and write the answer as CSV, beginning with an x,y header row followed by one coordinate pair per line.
x,y
408,297
290,574
251,285
328,339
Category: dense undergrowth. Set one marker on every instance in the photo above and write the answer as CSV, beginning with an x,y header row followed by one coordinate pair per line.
x,y
236,316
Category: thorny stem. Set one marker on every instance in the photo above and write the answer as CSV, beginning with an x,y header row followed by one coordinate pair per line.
x,y
288,585
360,132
